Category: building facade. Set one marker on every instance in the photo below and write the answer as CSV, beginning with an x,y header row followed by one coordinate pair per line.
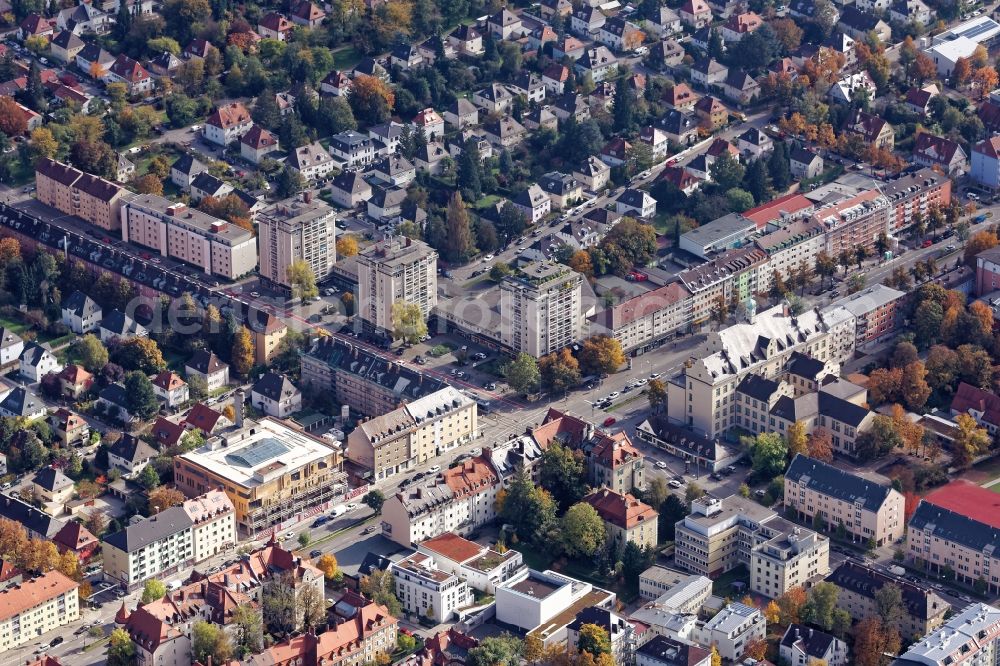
x,y
398,269
36,607
296,230
540,309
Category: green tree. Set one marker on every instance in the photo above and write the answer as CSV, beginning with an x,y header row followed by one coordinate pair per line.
x,y
91,351
121,649
889,604
380,587
290,182
148,478
530,510
624,105
768,453
139,353
820,605
582,530
153,590
726,172
210,641
408,323
302,280
140,397
503,650
250,629
522,374
594,640
374,499
458,244
562,474
758,182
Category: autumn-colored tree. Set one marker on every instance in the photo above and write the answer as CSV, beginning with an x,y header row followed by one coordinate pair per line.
x,y
757,649
794,124
716,658
873,641
162,498
788,33
913,385
772,612
12,119
978,242
581,263
911,432
10,250
69,565
924,68
371,98
347,246
962,72
796,438
884,385
601,355
791,603
970,441
43,143
243,352
148,184
327,563
984,80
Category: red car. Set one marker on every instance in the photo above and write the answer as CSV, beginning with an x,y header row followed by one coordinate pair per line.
x,y
927,243
610,421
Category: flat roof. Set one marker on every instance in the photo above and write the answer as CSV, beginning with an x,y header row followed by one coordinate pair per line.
x,y
720,229
261,448
535,587
190,218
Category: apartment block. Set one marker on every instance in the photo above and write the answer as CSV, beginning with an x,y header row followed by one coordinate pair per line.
x,y
856,221
74,192
485,569
732,630
646,321
365,382
878,311
35,607
396,269
621,632
189,235
703,396
426,591
414,433
923,610
296,230
795,557
461,500
787,248
968,638
271,472
731,277
864,509
956,529
915,192
540,308
170,540
719,534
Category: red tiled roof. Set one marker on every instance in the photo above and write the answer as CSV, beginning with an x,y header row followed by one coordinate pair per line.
x,y
970,500
168,381
258,138
642,305
935,148
74,536
31,593
128,69
612,451
276,22
75,374
203,417
623,511
969,397
167,433
990,147
790,203
470,477
569,429
229,115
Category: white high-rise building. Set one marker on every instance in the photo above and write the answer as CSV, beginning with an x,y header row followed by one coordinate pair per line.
x,y
540,308
294,230
397,269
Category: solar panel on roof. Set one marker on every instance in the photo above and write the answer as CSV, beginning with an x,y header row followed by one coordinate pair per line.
x,y
258,453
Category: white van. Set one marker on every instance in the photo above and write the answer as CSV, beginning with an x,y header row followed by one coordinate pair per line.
x,y
173,585
338,511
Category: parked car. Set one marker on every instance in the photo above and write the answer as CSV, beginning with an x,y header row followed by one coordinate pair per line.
x,y
610,421
434,469
315,553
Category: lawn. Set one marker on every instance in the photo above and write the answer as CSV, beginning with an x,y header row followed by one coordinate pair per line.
x,y
20,328
346,58
995,487
723,585
13,325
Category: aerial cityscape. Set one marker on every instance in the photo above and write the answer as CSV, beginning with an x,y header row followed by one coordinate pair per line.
x,y
467,333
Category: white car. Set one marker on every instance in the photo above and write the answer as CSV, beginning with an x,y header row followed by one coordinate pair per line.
x,y
642,382
654,375
435,469
660,464
613,395
674,483
488,257
288,535
351,506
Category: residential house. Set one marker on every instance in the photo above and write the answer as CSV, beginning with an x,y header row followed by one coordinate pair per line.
x,y
636,203
36,361
803,645
695,14
918,99
680,97
985,167
930,150
593,174
207,367
620,632
51,486
256,144
386,203
227,123
597,61
430,158
165,65
80,313
130,455
615,152
754,144
184,170
467,40
858,24
22,403
562,190
275,26
665,23
740,86
540,117
620,35
533,202
393,171
135,77
94,61
803,163
709,72
335,83
494,98
307,14
504,133
738,25
568,47
505,24
276,396
550,8
662,651
65,45
113,401
405,56
625,518
69,428
34,25
312,160
873,129
75,381
668,52
911,12
171,389
461,114
571,105
712,113
118,325
268,331
349,189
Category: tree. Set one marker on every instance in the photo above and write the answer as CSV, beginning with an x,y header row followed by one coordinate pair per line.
x,y
503,650
250,629
562,474
791,604
458,243
139,353
889,604
327,563
873,640
821,445
43,144
139,395
91,351
529,509
290,182
656,393
148,478
716,658
380,587
162,497
153,590
879,440
278,605
913,385
772,612
302,280
12,121
371,99
796,439
582,530
768,453
347,246
522,374
978,242
970,441
121,649
210,641
593,639
624,105
560,371
374,499
310,607
601,355
820,605
242,357
148,184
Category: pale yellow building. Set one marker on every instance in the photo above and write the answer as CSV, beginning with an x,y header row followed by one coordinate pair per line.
x,y
625,518
866,510
74,192
719,534
415,433
795,557
271,472
35,607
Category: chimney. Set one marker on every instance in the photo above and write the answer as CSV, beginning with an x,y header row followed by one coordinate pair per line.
x,y
240,400
307,196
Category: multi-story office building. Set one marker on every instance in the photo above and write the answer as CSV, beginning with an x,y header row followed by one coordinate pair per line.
x,y
968,638
703,396
272,473
923,610
719,534
414,433
795,557
461,501
674,590
366,382
642,323
36,607
540,308
863,509
296,230
74,192
189,235
396,269
170,540
425,590
956,529
732,277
